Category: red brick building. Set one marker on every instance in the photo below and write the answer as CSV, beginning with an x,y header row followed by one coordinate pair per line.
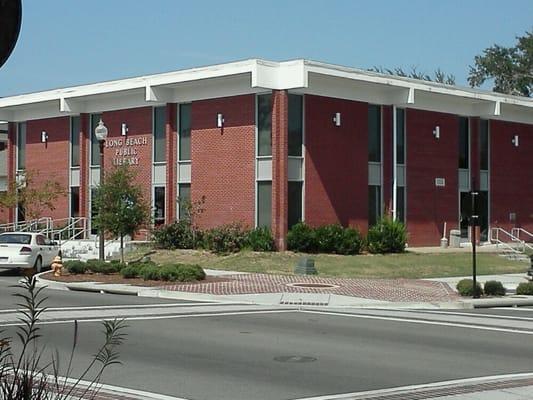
x,y
269,143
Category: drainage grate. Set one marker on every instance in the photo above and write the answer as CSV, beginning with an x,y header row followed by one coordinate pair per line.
x,y
295,359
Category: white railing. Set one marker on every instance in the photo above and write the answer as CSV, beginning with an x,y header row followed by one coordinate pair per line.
x,y
41,225
69,229
522,232
501,237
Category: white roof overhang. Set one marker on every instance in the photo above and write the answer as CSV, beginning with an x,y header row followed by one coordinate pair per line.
x,y
255,76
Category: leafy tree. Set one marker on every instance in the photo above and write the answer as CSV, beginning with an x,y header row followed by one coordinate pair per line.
x,y
511,68
120,204
439,76
34,194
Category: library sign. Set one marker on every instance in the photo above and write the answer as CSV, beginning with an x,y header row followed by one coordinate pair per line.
x,y
126,150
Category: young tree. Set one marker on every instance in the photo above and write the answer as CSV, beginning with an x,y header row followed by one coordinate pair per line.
x,y
33,193
120,205
511,68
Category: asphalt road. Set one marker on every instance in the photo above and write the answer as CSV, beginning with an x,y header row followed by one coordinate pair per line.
x,y
244,354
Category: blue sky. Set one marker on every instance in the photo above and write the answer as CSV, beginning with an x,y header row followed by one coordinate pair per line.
x,y
69,42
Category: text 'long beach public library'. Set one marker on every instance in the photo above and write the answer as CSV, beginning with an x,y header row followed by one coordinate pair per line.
x,y
271,144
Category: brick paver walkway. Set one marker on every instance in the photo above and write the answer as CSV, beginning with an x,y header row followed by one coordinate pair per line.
x,y
406,290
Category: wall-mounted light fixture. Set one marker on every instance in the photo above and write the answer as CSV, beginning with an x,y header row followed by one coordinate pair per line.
x,y
44,137
337,119
124,129
515,141
220,120
436,132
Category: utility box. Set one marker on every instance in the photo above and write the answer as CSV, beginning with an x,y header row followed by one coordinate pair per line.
x,y
455,238
305,266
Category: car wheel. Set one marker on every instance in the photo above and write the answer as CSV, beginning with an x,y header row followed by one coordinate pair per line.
x,y
38,265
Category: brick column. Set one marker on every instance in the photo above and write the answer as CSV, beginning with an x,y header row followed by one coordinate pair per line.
x,y
11,160
171,157
474,151
85,137
280,149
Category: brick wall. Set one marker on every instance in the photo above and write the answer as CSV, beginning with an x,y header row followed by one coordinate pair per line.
x,y
428,206
222,160
139,121
511,175
387,159
336,162
171,157
50,160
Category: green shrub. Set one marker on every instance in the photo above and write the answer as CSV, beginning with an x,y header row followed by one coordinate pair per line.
x,y
229,238
189,273
75,267
494,288
351,242
177,235
149,273
525,288
260,239
387,236
169,272
328,238
102,267
465,287
129,272
302,237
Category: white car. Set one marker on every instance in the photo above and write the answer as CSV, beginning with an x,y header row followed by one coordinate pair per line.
x,y
26,250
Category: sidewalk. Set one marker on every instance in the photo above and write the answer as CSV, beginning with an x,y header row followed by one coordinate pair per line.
x,y
266,289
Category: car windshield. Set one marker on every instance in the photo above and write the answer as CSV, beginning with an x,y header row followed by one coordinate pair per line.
x,y
15,238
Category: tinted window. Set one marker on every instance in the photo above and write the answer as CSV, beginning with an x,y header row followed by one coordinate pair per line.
x,y
21,146
484,144
15,238
264,125
185,132
40,240
295,203
184,197
463,143
295,125
159,205
400,136
75,141
264,204
95,146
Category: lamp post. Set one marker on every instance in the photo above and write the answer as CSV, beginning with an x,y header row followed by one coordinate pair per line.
x,y
101,135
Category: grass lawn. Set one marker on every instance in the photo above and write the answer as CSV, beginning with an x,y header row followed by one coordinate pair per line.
x,y
406,265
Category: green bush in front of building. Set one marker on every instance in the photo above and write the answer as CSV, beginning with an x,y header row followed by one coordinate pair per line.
x,y
387,236
494,288
525,289
177,235
465,287
228,238
324,239
260,239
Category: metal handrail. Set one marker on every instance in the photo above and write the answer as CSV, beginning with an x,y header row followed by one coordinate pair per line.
x,y
495,236
517,231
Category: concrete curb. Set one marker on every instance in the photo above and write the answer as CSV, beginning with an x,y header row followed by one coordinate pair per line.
x,y
511,301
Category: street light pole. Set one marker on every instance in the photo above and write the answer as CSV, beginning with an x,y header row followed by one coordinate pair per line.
x,y
101,238
101,135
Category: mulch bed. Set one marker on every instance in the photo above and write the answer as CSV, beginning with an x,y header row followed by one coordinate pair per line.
x,y
118,279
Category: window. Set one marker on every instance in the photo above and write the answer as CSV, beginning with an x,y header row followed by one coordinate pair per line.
x,y
94,211
184,196
3,146
75,201
21,146
185,133
374,204
159,134
464,148
374,133
400,204
264,204
39,239
159,205
264,125
295,203
484,144
400,136
75,141
295,125
95,146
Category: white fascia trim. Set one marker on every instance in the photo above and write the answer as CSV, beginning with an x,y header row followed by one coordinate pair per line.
x,y
408,83
279,76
